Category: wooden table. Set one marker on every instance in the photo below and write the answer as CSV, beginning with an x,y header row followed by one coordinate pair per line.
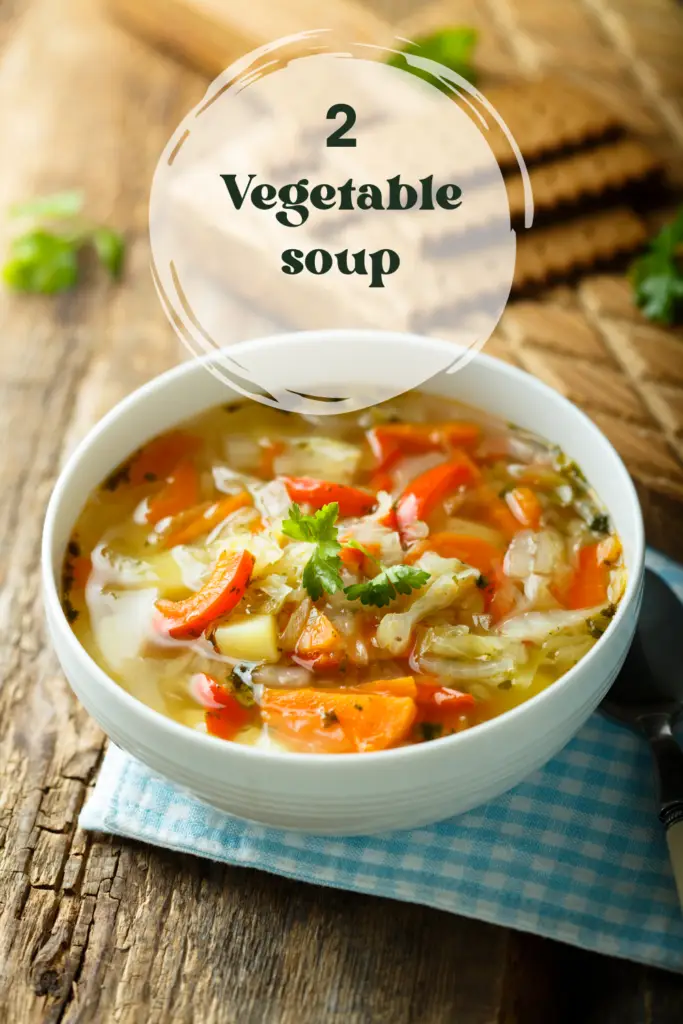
x,y
94,929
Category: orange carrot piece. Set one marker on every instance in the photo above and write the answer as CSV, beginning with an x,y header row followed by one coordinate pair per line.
x,y
318,637
338,722
472,550
525,507
219,595
201,519
180,491
160,457
589,585
402,686
270,451
498,514
423,494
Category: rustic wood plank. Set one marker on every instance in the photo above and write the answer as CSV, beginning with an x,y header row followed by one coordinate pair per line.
x,y
94,929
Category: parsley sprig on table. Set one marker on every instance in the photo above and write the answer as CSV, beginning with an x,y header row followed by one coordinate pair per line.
x,y
452,47
45,259
322,572
657,275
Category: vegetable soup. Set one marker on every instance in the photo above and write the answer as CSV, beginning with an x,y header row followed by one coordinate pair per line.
x,y
341,584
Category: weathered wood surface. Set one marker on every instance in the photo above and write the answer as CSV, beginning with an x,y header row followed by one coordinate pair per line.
x,y
94,929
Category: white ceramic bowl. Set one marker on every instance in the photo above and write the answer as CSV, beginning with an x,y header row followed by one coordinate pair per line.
x,y
353,793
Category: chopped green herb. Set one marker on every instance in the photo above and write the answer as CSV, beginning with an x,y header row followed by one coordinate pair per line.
x,y
359,707
118,477
59,204
387,585
600,523
452,47
241,684
657,275
505,685
430,730
329,719
322,573
45,260
482,581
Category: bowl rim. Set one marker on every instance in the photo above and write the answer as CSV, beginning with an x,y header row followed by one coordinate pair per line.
x,y
62,633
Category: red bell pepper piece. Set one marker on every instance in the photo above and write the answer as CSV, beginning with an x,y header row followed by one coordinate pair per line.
x,y
226,721
391,440
423,494
220,594
352,501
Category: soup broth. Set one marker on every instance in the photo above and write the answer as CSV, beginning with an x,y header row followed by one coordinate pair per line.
x,y
345,583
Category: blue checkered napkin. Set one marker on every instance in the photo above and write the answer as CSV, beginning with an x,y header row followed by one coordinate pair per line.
x,y
574,853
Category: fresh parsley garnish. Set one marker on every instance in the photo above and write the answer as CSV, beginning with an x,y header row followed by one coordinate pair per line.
x,y
322,572
45,259
387,585
657,275
452,47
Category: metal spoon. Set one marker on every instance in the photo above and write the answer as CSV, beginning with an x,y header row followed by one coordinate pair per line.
x,y
647,696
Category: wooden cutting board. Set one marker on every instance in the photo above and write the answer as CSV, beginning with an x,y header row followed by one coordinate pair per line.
x,y
210,34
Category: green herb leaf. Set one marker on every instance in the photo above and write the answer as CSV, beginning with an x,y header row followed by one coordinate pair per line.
x,y
322,572
41,262
600,523
109,246
318,527
452,47
657,275
387,585
60,204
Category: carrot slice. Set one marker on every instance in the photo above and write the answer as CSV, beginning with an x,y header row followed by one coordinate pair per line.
x,y
352,501
589,585
472,550
219,595
424,493
201,519
226,721
391,440
318,636
498,514
180,491
160,457
402,686
340,722
525,506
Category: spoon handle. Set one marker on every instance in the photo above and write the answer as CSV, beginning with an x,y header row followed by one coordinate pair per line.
x,y
668,758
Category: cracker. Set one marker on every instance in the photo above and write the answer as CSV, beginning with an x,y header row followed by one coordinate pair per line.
x,y
560,250
547,116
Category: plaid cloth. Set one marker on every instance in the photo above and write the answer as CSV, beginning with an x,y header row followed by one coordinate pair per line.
x,y
574,853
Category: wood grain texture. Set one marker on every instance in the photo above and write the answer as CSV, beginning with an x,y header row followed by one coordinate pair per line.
x,y
95,929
